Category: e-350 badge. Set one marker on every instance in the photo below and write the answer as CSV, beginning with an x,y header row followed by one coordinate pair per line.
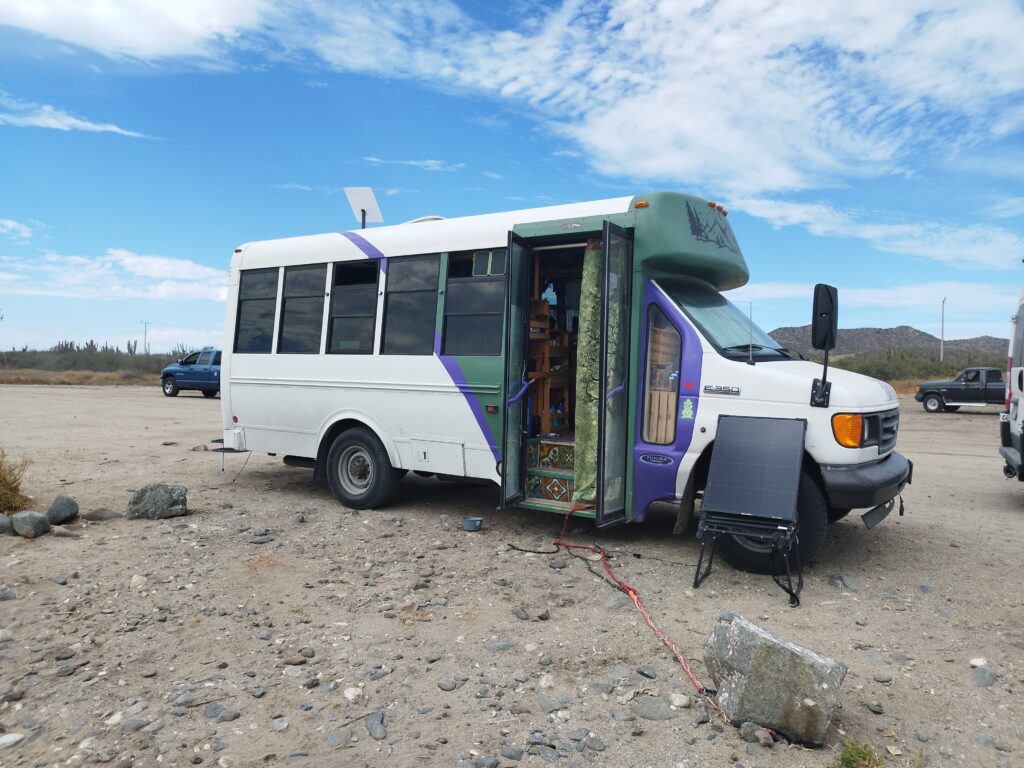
x,y
720,389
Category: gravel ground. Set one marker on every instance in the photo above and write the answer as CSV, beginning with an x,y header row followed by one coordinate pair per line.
x,y
272,626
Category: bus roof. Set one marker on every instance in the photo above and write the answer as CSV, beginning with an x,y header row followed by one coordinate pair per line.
x,y
433,236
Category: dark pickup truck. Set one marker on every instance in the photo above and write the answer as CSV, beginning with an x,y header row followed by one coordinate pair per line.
x,y
972,387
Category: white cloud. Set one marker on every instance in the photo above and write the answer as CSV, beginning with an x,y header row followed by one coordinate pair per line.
x,y
20,232
118,274
493,175
1009,208
742,96
972,246
23,114
142,29
423,165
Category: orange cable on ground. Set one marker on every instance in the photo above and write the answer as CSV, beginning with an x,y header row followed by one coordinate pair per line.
x,y
631,591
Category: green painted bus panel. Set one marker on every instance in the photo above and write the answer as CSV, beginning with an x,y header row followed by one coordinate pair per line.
x,y
683,235
483,375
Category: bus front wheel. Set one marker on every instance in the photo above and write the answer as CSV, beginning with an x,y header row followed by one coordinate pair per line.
x,y
812,515
359,471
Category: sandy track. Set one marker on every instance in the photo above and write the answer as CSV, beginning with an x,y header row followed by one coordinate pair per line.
x,y
395,602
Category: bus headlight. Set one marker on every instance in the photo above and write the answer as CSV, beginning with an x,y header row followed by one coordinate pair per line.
x,y
848,429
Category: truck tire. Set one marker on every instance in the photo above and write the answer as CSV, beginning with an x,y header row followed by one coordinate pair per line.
x,y
169,386
933,403
835,515
210,392
812,514
359,472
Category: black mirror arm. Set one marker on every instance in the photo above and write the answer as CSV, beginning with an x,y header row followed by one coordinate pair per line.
x,y
821,389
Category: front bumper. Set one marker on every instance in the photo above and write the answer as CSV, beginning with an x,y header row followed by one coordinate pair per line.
x,y
860,486
919,396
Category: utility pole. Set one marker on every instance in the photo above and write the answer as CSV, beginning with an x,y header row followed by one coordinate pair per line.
x,y
145,334
1,320
942,331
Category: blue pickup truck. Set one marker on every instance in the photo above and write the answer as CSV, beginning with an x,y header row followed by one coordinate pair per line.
x,y
200,370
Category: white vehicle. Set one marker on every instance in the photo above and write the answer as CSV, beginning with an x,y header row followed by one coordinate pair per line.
x,y
1011,426
481,347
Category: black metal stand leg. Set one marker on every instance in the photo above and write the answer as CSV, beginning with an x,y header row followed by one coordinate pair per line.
x,y
698,577
794,594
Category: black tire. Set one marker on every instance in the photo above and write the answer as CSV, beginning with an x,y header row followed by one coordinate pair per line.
x,y
952,408
933,403
359,471
169,386
210,392
812,513
835,515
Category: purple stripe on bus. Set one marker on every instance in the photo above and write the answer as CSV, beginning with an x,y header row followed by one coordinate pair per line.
x,y
368,248
459,379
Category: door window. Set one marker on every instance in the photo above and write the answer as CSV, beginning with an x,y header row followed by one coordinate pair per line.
x,y
204,358
191,359
662,378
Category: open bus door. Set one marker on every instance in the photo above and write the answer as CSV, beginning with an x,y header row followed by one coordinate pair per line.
x,y
516,418
613,387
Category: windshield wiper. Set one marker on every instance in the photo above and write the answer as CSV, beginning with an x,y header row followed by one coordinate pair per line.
x,y
748,348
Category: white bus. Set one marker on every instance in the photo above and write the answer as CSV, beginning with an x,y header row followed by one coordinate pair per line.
x,y
480,347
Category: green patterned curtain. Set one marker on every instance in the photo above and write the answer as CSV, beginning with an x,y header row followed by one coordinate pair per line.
x,y
588,361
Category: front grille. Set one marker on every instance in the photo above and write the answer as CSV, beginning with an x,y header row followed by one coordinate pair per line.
x,y
890,424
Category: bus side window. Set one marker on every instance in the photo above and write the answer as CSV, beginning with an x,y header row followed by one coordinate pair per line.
x,y
257,300
302,309
353,308
474,303
661,379
410,305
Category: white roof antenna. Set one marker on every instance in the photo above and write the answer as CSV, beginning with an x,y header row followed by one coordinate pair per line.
x,y
364,205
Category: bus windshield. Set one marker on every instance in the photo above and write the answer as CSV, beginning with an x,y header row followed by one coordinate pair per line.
x,y
722,323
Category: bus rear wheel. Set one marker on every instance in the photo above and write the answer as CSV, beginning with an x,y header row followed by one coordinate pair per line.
x,y
812,520
359,471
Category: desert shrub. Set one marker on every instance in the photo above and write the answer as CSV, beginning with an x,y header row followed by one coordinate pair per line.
x,y
11,473
857,754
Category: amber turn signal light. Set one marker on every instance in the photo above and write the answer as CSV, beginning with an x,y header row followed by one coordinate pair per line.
x,y
848,429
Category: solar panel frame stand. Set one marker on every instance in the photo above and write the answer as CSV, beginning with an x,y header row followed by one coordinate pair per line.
x,y
752,491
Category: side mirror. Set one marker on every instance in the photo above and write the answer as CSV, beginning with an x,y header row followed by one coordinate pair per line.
x,y
825,320
180,359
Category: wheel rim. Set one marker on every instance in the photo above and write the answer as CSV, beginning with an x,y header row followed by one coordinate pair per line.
x,y
355,470
931,404
168,385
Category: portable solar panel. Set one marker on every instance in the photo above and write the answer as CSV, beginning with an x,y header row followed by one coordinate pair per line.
x,y
752,489
755,468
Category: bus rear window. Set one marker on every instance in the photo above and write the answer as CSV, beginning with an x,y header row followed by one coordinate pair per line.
x,y
257,301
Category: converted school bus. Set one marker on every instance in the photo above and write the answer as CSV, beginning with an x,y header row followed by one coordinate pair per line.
x,y
578,356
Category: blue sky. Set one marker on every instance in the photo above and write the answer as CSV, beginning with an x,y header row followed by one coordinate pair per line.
x,y
873,145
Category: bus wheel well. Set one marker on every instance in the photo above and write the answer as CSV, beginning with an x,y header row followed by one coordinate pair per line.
x,y
320,471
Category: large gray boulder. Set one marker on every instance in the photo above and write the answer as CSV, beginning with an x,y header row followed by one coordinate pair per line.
x,y
769,681
64,508
5,524
157,501
30,524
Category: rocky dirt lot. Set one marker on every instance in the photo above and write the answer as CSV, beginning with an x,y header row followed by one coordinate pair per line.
x,y
273,627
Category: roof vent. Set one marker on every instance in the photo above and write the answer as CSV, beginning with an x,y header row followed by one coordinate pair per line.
x,y
425,218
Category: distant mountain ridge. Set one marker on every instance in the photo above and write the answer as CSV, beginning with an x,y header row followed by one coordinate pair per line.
x,y
854,340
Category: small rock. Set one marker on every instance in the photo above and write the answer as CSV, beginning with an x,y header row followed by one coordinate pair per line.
x,y
520,613
7,593
62,509
843,581
295,661
512,753
279,724
158,501
219,713
10,739
138,582
874,706
61,580
652,708
199,448
500,645
30,524
978,661
354,694
559,563
375,726
133,725
100,515
983,677
921,736
447,684
63,533
764,738
594,743
882,677
679,700
264,634
308,652
649,672
748,731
